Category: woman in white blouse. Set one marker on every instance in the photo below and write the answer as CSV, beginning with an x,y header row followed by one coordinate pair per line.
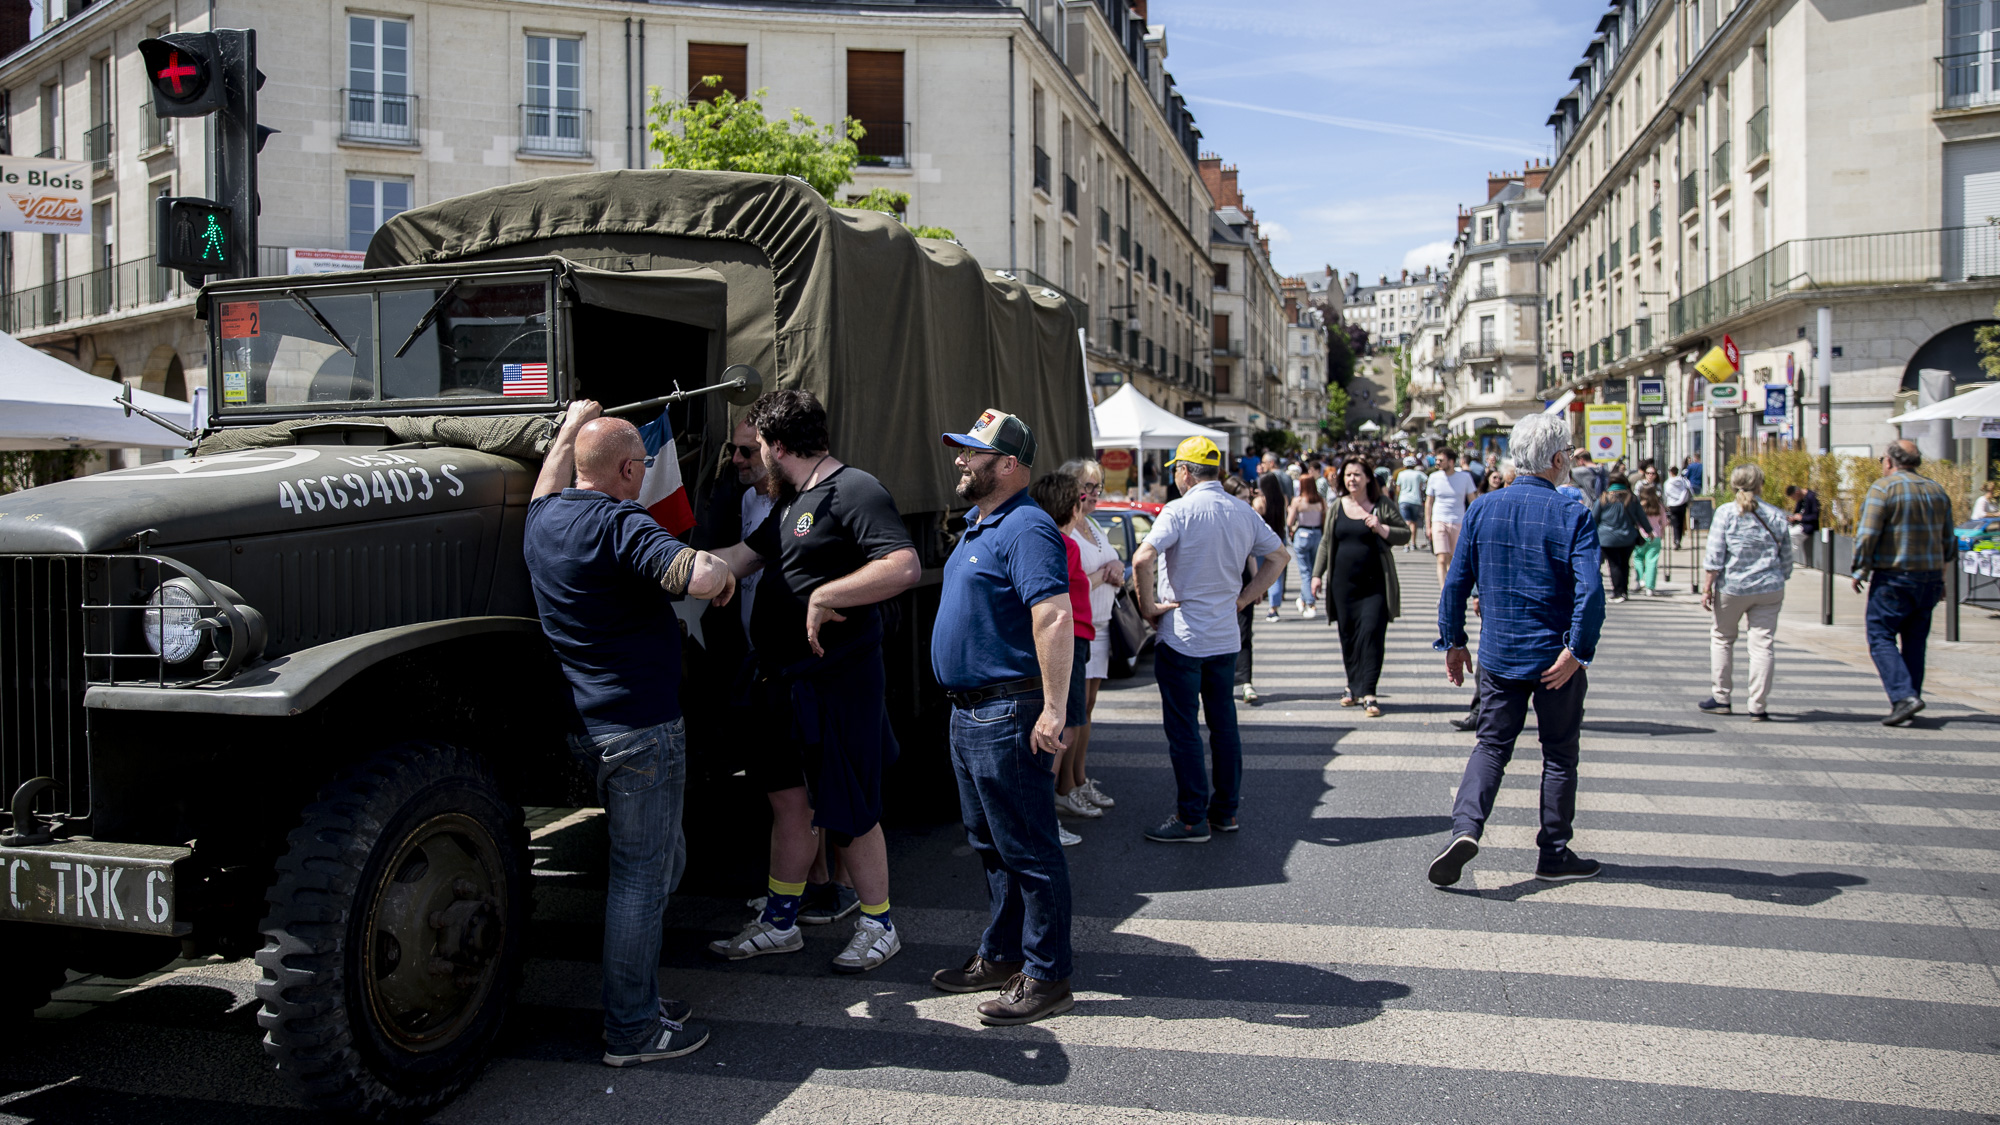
x,y
1107,573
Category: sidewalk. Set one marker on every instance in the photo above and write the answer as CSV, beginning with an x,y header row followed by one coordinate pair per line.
x,y
1966,671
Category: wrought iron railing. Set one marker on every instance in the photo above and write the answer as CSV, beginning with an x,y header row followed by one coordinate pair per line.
x,y
97,147
1482,292
885,143
1968,80
1719,167
1653,222
1041,169
555,130
127,285
1069,194
1624,342
1913,257
368,115
1690,192
1757,137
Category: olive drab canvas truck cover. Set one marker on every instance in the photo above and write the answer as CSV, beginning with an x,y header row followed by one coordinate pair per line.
x,y
902,338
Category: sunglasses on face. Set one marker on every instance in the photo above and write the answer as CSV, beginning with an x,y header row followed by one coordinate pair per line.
x,y
1092,490
743,450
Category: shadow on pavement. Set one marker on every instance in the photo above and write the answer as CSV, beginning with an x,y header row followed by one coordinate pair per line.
x,y
1807,888
1656,730
1345,831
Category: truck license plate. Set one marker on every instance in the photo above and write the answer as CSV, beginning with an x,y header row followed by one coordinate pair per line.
x,y
97,885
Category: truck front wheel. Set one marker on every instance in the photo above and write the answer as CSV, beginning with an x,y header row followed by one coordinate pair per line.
x,y
395,935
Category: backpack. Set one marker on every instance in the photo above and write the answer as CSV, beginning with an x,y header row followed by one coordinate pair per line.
x,y
1614,524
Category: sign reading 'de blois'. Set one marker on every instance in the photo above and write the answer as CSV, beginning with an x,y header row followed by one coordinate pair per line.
x,y
40,196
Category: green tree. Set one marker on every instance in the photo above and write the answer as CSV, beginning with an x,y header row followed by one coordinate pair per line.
x,y
733,135
1336,412
1339,354
1988,338
896,203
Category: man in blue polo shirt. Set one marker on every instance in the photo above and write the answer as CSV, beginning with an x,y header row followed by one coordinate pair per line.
x,y
1002,649
605,577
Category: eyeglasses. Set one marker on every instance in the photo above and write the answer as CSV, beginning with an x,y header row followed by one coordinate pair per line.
x,y
646,461
1092,490
733,449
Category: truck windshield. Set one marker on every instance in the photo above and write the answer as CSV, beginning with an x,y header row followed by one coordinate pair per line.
x,y
488,339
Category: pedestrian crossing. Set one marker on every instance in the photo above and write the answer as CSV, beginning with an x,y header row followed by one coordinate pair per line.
x,y
1797,921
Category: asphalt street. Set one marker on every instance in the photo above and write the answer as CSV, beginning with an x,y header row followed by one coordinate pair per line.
x,y
1797,921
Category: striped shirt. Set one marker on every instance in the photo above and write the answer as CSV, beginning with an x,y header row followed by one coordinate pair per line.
x,y
1753,558
1905,524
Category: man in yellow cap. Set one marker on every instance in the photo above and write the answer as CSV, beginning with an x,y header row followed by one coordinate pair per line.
x,y
1203,539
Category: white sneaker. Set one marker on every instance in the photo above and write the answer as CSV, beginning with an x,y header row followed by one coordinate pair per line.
x,y
1095,795
1306,613
1075,803
1249,694
1300,601
757,939
872,944
1069,839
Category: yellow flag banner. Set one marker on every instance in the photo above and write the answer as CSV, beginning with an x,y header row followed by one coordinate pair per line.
x,y
1715,366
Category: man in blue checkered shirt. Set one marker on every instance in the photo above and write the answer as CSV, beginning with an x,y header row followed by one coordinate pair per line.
x,y
1903,540
1533,555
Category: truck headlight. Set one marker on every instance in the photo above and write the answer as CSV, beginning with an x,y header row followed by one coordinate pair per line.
x,y
172,617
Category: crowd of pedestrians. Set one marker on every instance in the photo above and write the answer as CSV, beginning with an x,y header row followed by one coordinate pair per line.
x,y
804,548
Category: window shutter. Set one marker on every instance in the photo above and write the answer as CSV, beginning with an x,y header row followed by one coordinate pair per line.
x,y
730,60
875,86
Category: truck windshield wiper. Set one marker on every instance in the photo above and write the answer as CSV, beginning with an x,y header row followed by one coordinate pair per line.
x,y
429,316
312,310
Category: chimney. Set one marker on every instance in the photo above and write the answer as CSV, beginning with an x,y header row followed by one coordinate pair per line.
x,y
1464,220
1496,183
1535,175
1406,277
1220,180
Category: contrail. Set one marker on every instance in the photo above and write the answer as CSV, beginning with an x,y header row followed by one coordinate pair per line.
x,y
1518,148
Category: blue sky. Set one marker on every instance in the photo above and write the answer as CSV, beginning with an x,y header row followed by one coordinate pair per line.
x,y
1360,127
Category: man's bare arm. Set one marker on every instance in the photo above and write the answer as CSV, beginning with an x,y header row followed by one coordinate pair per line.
x,y
740,559
1055,648
699,574
559,466
1267,573
1150,607
877,581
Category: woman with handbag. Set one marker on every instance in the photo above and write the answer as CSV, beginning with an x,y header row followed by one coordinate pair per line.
x,y
1621,525
1357,572
1749,559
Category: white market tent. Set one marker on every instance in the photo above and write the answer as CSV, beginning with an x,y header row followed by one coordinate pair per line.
x,y
47,404
1130,420
1982,403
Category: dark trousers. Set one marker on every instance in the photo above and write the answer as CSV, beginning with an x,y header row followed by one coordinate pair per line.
x,y
1364,630
1205,681
1503,710
1678,518
1899,608
1620,560
1007,796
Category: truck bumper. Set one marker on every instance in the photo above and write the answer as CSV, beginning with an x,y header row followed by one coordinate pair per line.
x,y
98,886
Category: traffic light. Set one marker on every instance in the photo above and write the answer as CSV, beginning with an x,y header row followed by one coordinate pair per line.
x,y
182,69
194,74
194,235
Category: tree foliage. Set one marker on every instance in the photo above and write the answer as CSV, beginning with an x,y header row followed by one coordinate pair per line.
x,y
1988,339
1339,353
37,467
730,134
896,203
1336,411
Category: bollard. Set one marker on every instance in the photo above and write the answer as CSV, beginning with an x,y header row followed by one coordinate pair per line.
x,y
1826,576
1951,571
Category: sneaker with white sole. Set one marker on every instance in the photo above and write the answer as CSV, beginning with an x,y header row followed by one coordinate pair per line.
x,y
671,1040
1095,795
1067,838
757,939
1074,803
676,1011
872,944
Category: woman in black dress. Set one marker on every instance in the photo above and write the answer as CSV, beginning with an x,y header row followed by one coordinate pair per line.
x,y
1358,573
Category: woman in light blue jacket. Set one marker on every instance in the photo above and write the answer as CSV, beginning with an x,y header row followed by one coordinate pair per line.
x,y
1749,559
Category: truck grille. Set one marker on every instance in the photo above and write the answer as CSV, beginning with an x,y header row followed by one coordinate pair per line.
x,y
42,680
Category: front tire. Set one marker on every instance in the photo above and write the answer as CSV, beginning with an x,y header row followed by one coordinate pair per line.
x,y
33,954
395,934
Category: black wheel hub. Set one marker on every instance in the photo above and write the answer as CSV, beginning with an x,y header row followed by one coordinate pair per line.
x,y
436,929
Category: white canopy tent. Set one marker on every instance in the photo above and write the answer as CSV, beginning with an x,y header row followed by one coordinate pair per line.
x,y
1130,420
47,404
1981,403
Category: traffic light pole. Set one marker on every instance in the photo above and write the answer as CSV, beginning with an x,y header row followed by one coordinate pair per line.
x,y
1823,375
236,147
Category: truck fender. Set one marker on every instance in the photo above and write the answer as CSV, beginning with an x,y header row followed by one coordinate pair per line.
x,y
299,681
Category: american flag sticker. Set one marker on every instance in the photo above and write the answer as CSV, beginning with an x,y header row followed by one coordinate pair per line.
x,y
524,380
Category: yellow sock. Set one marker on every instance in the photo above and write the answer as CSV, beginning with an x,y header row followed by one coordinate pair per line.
x,y
779,887
879,912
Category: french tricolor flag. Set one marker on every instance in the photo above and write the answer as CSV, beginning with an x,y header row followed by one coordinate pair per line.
x,y
662,493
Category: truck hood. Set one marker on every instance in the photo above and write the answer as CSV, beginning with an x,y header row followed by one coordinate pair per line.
x,y
253,492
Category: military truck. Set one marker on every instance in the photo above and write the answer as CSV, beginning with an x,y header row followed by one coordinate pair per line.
x,y
286,697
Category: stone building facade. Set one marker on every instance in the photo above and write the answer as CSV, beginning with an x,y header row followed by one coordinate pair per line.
x,y
1247,330
1489,358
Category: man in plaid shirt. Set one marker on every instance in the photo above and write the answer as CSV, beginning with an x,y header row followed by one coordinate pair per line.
x,y
1902,544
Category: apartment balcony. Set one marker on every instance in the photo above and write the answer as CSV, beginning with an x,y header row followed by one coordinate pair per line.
x,y
1041,169
1125,244
1718,165
1757,139
377,118
97,148
1485,292
1632,243
1912,257
554,131
1690,192
1225,349
124,287
883,144
1617,254
1653,224
1644,330
158,131
1624,343
1104,226
1069,194
1969,81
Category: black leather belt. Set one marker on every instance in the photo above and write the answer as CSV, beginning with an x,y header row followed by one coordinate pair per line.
x,y
977,696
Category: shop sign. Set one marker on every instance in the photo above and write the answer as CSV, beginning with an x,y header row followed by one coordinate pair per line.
x,y
1604,429
1725,396
1776,406
1652,396
40,196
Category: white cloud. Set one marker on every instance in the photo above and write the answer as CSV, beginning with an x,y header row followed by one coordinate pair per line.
x,y
1393,128
1429,254
1278,233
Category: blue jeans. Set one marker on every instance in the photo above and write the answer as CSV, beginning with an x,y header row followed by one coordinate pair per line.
x,y
1899,608
1413,514
1277,594
641,776
1186,681
1503,710
1305,543
1007,795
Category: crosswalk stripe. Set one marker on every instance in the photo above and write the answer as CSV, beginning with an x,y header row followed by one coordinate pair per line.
x,y
1760,849
1765,748
1596,1050
1844,904
1912,816
1589,769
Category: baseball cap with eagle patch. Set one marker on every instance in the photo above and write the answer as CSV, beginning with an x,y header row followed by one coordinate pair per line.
x,y
998,433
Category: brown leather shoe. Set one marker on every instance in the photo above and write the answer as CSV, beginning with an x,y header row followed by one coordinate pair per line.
x,y
1025,1000
978,975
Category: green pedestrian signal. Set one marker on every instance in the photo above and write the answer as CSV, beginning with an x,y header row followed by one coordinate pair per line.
x,y
193,236
213,241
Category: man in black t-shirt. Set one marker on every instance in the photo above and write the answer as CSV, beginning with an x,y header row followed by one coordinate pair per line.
x,y
835,546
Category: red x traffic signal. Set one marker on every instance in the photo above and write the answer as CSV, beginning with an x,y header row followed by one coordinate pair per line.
x,y
185,70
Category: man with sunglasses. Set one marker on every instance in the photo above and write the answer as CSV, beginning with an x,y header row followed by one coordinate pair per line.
x,y
605,575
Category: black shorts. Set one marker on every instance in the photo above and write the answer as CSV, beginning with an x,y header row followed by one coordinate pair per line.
x,y
830,732
772,748
1077,710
